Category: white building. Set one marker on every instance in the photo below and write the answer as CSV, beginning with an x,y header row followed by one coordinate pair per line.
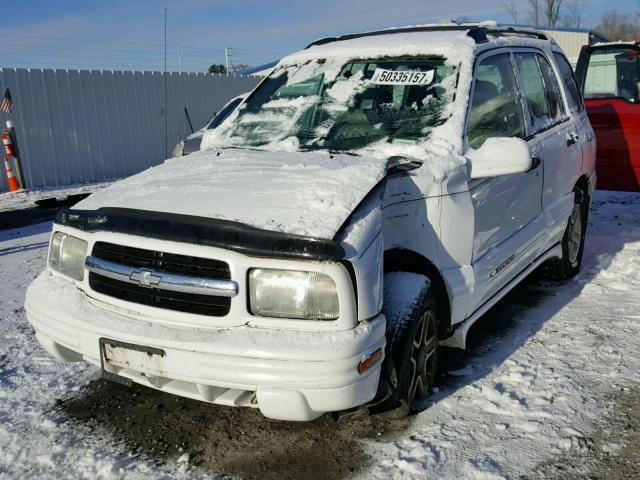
x,y
571,40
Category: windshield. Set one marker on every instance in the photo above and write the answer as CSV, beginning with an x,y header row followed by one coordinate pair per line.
x,y
316,105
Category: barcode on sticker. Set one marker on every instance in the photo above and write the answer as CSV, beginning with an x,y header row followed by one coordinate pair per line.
x,y
392,77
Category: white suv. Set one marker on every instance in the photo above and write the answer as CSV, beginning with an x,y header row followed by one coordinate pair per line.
x,y
366,203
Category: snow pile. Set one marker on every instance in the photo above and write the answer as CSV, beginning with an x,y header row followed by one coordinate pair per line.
x,y
308,193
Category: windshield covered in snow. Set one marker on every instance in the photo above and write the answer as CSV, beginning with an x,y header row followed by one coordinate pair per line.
x,y
321,105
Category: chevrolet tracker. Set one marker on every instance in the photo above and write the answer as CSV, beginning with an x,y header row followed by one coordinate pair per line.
x,y
360,209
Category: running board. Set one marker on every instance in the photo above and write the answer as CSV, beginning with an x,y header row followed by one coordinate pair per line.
x,y
459,337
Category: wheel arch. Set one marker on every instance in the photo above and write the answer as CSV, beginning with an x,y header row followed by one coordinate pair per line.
x,y
404,260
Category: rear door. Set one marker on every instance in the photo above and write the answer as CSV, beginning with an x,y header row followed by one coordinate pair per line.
x,y
578,111
556,133
608,76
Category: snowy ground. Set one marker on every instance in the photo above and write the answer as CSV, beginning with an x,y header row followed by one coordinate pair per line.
x,y
535,392
20,200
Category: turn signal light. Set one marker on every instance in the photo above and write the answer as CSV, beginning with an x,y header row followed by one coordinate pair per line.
x,y
370,361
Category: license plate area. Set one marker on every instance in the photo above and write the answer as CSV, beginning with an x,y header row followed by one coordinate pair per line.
x,y
129,355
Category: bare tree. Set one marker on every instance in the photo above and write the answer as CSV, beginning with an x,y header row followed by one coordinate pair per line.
x,y
534,11
574,15
618,26
539,12
552,10
512,9
569,13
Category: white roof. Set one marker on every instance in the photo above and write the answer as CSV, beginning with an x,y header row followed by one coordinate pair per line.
x,y
451,44
445,42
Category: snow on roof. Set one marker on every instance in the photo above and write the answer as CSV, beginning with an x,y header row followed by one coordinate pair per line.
x,y
448,43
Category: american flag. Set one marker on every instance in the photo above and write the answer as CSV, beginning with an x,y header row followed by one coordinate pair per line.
x,y
7,104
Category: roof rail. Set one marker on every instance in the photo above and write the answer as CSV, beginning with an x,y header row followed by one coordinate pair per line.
x,y
477,32
529,32
351,36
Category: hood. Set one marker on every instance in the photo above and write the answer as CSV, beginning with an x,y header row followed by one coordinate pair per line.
x,y
302,193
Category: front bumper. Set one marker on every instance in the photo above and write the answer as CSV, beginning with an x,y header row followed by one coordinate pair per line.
x,y
288,375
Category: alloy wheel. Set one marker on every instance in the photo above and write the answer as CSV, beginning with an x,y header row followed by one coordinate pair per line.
x,y
424,358
575,233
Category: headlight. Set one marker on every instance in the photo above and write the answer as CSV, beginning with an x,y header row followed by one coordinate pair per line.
x,y
293,294
178,151
66,255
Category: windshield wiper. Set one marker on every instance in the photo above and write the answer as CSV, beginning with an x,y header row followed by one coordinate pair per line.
x,y
238,147
313,148
344,152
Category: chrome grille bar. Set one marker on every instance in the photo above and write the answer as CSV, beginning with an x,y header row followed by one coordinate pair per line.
x,y
149,278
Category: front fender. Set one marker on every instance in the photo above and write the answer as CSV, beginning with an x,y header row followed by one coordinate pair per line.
x,y
363,243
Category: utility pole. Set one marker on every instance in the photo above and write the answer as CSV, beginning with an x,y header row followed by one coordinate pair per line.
x,y
179,61
164,77
226,58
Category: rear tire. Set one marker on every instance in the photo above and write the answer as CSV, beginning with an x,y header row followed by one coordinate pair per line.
x,y
413,324
572,240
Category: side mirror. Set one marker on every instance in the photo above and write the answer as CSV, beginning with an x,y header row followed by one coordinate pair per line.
x,y
500,156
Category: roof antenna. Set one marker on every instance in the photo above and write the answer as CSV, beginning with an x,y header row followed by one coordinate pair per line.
x,y
479,34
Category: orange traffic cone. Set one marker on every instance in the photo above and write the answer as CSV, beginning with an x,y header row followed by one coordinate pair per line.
x,y
14,186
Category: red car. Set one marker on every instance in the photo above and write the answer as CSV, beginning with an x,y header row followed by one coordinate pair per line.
x,y
609,76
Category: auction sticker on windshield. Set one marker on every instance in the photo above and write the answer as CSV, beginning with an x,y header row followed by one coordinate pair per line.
x,y
393,77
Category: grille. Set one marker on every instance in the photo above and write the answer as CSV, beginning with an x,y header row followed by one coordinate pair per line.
x,y
161,262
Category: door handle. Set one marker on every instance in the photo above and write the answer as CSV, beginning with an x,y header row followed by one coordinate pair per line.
x,y
535,163
572,138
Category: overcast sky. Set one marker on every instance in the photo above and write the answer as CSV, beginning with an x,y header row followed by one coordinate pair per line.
x,y
129,34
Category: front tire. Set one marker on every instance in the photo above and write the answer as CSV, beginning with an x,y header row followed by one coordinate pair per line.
x,y
413,324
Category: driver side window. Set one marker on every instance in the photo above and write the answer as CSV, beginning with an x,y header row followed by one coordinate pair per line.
x,y
495,107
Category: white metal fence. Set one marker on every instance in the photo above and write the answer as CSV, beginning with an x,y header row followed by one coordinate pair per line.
x,y
80,126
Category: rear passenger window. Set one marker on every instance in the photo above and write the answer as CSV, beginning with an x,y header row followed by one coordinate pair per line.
x,y
552,89
540,89
570,83
495,106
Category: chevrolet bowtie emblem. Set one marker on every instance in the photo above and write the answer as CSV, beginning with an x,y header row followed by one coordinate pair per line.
x,y
145,278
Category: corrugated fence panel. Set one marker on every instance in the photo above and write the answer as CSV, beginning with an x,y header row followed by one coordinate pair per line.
x,y
80,126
